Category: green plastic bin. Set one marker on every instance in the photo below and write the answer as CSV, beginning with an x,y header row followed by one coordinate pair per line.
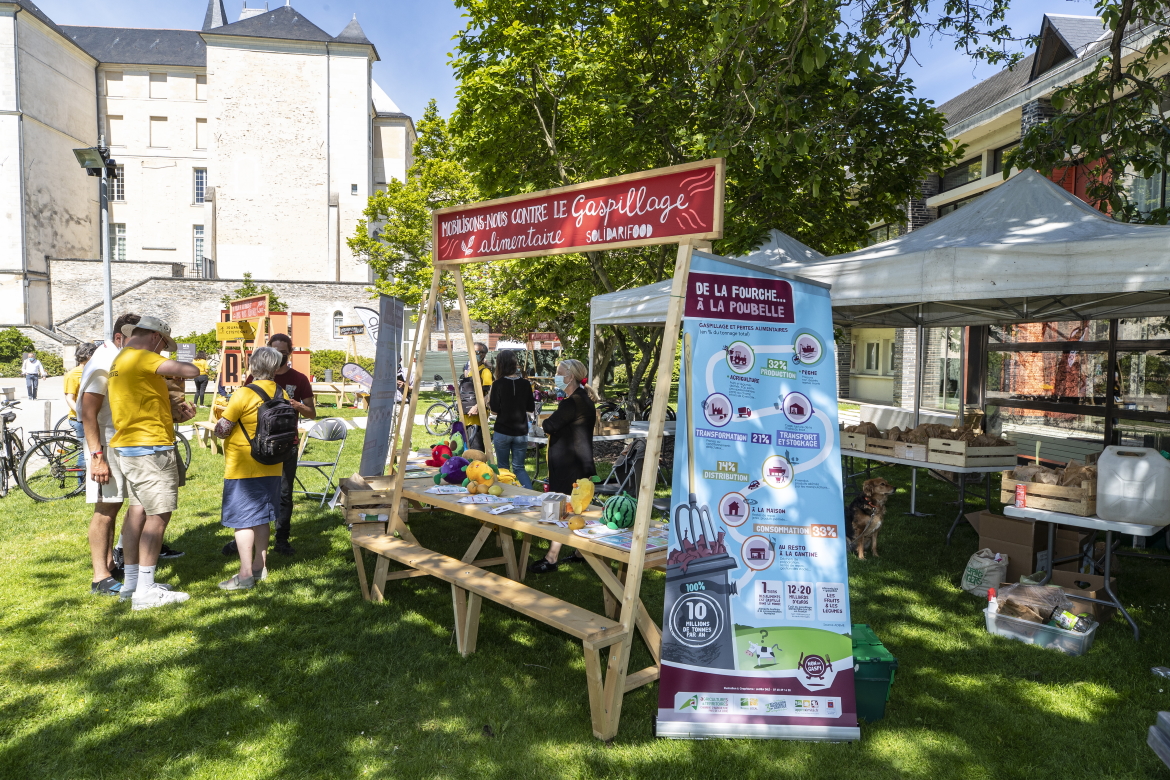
x,y
873,673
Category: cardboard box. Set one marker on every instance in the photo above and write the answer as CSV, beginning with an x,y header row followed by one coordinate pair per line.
x,y
1025,542
1068,581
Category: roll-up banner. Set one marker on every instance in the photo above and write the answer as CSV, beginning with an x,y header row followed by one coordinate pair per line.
x,y
756,626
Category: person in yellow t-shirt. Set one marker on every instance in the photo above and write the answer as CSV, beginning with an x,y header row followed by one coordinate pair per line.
x,y
81,356
471,421
145,446
251,490
200,363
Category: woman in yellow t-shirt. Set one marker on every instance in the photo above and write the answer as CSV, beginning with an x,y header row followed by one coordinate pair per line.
x,y
200,362
251,490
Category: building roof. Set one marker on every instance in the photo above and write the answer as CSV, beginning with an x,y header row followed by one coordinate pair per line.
x,y
383,105
131,46
42,17
1061,38
285,23
353,33
216,15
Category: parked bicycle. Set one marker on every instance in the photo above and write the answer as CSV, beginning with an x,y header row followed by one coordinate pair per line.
x,y
11,447
182,445
53,468
442,416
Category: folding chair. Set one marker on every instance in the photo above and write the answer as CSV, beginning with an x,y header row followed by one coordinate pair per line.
x,y
328,430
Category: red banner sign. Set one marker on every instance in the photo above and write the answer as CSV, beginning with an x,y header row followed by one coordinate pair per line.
x,y
662,206
249,308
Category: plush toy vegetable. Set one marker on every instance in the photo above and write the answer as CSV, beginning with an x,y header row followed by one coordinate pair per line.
x,y
576,523
507,477
582,494
619,511
480,473
453,470
439,455
475,455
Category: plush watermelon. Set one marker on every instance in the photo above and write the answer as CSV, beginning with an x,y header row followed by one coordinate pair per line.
x,y
619,511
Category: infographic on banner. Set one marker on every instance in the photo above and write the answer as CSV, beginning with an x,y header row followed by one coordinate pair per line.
x,y
756,625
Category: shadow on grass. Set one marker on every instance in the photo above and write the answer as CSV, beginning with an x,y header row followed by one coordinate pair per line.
x,y
301,678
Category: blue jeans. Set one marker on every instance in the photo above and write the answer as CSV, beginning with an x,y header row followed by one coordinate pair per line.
x,y
30,385
512,449
79,432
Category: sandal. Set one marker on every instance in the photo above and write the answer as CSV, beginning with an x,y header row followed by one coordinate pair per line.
x,y
542,567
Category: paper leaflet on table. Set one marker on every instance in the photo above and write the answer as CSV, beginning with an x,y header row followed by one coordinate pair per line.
x,y
482,499
446,490
756,624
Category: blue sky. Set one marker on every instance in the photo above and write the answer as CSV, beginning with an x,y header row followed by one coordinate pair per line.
x,y
414,38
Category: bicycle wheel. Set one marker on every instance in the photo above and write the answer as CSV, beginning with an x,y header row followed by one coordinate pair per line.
x,y
63,425
183,447
4,469
49,470
438,419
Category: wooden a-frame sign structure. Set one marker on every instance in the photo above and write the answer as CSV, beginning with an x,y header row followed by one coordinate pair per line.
x,y
682,204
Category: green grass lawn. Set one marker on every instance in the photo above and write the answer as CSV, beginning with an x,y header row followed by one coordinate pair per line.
x,y
300,678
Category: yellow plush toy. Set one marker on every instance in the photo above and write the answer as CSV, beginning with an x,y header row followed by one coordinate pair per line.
x,y
582,494
480,473
507,477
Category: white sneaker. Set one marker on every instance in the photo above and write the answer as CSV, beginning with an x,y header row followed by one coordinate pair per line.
x,y
126,595
157,597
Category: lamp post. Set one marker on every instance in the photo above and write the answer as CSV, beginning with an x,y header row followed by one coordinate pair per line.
x,y
97,162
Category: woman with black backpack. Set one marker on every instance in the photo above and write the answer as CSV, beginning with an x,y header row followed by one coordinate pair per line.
x,y
251,489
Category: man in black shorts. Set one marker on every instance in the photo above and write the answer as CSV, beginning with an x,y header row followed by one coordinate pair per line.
x,y
300,394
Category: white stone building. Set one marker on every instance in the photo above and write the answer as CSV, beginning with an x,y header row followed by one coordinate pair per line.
x,y
244,147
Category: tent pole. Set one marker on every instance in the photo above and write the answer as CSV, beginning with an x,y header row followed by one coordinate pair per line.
x,y
592,368
918,364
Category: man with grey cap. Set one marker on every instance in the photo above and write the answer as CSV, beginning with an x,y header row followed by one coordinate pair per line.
x,y
145,444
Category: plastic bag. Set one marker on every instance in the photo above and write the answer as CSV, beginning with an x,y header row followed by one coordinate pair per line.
x,y
985,569
1042,599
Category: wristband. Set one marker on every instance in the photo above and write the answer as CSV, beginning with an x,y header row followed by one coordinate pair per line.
x,y
95,453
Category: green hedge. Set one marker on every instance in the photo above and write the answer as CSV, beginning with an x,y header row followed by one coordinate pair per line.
x,y
321,359
54,366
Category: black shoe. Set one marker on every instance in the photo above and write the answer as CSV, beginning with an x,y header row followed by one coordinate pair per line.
x,y
541,567
118,573
283,547
119,558
576,557
107,587
230,548
166,553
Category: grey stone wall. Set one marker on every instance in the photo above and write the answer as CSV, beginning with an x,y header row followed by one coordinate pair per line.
x,y
193,306
76,284
844,349
1034,113
918,213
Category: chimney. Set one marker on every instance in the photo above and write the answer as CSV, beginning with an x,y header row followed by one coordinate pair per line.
x,y
248,13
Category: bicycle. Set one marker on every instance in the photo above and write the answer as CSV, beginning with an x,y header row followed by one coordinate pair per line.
x,y
441,416
181,443
11,447
53,468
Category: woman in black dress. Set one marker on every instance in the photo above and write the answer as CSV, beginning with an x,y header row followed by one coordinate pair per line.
x,y
570,444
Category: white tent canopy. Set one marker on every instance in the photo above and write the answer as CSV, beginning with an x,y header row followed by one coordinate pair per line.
x,y
647,305
1026,250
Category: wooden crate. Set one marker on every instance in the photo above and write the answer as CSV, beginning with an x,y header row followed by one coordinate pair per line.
x,y
909,451
853,441
959,453
611,427
879,446
1080,501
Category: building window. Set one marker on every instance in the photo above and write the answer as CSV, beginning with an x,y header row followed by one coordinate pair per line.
x,y
873,356
114,83
201,88
117,240
1147,194
158,85
200,133
999,155
197,249
118,184
970,171
958,204
882,233
888,346
338,319
200,185
158,132
114,131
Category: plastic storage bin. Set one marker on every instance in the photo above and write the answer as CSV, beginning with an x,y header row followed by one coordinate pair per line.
x,y
1133,485
873,673
1067,642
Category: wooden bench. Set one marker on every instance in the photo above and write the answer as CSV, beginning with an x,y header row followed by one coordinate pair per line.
x,y
205,435
470,584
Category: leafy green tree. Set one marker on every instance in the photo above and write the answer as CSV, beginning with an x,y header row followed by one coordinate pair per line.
x,y
204,342
13,344
250,289
821,139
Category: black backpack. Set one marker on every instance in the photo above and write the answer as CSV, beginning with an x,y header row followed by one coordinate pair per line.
x,y
276,428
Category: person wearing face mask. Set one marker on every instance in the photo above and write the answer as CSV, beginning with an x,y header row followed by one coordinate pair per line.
x,y
570,444
145,445
299,392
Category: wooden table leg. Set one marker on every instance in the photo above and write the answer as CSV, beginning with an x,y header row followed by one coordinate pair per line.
x,y
508,548
381,571
477,543
614,589
361,571
525,550
466,606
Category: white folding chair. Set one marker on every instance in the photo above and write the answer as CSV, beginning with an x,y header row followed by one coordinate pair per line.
x,y
328,430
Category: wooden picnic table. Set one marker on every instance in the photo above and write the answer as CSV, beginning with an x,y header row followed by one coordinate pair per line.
x,y
471,582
